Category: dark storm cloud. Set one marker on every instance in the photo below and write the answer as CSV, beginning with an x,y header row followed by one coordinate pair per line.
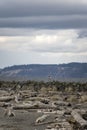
x,y
82,33
48,22
17,8
51,14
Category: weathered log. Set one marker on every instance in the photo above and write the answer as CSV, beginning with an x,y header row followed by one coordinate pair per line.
x,y
59,126
32,106
41,119
24,106
9,112
2,104
78,118
44,123
67,126
61,103
6,98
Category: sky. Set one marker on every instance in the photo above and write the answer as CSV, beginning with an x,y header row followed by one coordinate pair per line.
x,y
42,31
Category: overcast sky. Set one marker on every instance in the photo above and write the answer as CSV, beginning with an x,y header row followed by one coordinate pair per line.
x,y
42,31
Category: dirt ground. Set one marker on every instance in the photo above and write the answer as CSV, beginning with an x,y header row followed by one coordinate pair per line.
x,y
23,120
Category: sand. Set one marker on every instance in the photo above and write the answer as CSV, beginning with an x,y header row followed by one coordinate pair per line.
x,y
23,120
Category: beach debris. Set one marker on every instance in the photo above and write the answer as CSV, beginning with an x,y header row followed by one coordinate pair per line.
x,y
59,126
6,98
17,97
41,119
65,109
78,118
9,111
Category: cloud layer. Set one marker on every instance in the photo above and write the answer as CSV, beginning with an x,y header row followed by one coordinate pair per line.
x,y
43,14
49,41
43,31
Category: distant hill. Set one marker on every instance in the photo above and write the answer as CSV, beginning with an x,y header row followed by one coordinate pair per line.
x,y
70,71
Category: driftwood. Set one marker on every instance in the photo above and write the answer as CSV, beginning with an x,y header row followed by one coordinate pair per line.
x,y
59,126
32,106
6,98
41,119
24,106
61,103
2,104
9,112
77,117
67,126
44,123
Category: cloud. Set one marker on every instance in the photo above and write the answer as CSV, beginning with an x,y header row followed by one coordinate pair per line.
x,y
83,33
45,22
24,8
46,41
43,31
47,14
17,32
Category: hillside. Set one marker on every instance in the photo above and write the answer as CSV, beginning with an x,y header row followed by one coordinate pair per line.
x,y
45,72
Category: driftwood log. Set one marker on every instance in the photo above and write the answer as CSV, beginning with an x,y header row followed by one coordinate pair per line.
x,y
2,104
78,118
9,112
41,119
66,126
32,106
6,98
24,106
